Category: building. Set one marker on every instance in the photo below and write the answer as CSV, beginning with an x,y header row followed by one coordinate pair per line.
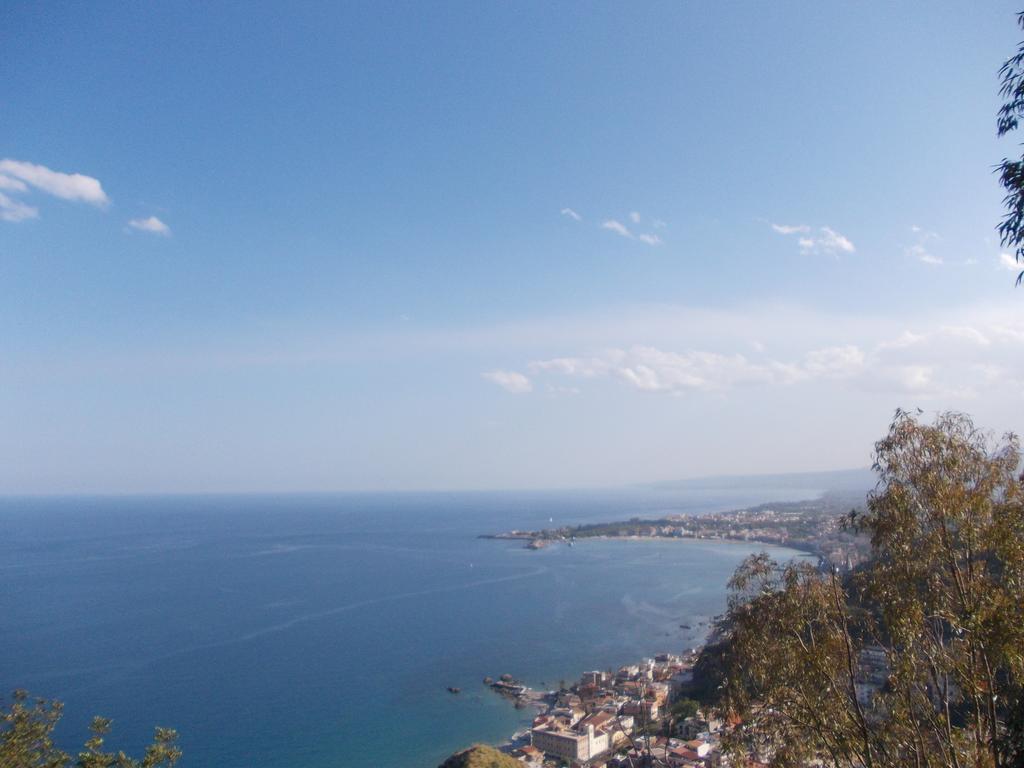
x,y
646,709
579,744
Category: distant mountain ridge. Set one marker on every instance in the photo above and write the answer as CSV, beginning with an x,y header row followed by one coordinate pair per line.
x,y
862,479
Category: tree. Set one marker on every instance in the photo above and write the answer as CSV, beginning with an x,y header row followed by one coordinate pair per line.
x,y
684,708
917,658
480,756
26,740
1011,172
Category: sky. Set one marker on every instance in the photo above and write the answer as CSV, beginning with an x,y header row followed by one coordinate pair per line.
x,y
262,247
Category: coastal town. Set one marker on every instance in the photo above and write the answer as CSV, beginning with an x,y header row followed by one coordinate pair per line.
x,y
637,715
640,716
814,526
643,714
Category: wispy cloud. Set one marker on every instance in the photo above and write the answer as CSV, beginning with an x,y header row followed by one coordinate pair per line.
x,y
829,242
571,214
67,186
617,227
6,182
510,381
965,333
964,359
825,241
634,216
921,248
15,210
655,370
923,255
790,229
151,224
1007,261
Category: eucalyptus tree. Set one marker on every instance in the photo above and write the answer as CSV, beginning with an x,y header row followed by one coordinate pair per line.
x,y
1011,172
916,658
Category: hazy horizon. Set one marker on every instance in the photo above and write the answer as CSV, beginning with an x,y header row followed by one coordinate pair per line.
x,y
824,480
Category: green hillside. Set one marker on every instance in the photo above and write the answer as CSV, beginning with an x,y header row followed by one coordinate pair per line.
x,y
480,756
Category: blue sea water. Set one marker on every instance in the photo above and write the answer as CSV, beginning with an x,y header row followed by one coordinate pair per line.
x,y
323,630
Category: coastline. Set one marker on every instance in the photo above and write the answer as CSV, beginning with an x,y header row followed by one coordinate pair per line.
x,y
546,703
809,528
800,547
437,608
569,713
823,527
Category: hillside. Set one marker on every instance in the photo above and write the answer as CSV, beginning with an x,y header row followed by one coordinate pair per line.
x,y
480,756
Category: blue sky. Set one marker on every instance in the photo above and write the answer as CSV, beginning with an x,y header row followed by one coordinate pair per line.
x,y
478,245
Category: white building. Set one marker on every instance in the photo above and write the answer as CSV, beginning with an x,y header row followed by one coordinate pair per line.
x,y
579,745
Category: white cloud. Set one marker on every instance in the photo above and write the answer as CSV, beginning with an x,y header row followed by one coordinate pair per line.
x,y
920,249
965,333
832,242
834,362
904,340
15,210
912,378
510,381
933,362
151,224
572,366
654,370
924,233
1007,261
634,216
6,182
790,229
617,227
922,254
1008,334
571,214
827,241
658,224
67,186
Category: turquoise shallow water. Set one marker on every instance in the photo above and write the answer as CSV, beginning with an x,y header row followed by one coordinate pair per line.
x,y
323,630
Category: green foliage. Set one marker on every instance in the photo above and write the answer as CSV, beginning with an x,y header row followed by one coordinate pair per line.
x,y
917,658
1011,172
26,740
26,729
684,708
709,673
480,756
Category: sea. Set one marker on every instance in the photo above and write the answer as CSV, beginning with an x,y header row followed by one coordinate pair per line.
x,y
324,630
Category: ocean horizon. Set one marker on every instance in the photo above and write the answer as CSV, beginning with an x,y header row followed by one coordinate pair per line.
x,y
324,629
